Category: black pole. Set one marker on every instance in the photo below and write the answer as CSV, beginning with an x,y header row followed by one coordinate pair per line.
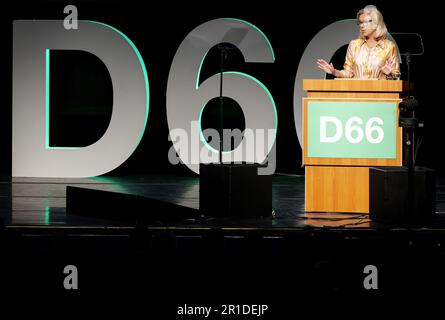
x,y
410,151
221,106
410,202
408,66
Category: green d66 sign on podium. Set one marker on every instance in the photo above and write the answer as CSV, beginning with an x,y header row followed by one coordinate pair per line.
x,y
352,129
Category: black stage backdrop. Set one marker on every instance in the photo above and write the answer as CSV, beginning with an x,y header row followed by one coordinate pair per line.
x,y
158,30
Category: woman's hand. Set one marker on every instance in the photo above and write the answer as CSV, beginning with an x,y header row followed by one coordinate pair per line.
x,y
326,67
389,66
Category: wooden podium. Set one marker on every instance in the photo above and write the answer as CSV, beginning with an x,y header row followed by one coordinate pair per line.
x,y
348,126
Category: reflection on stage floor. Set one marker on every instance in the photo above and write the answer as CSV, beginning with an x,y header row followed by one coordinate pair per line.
x,y
42,202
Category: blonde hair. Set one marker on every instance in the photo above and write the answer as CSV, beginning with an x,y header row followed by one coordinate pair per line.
x,y
381,32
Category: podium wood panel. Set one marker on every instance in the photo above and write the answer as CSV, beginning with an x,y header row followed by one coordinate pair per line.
x,y
353,95
352,85
337,189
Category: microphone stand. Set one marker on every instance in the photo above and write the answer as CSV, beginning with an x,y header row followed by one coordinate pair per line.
x,y
409,124
410,143
224,48
223,51
223,56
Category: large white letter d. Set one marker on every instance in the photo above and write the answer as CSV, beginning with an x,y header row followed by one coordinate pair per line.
x,y
31,154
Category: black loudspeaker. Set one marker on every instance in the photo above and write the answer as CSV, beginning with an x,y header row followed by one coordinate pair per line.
x,y
388,195
124,207
234,190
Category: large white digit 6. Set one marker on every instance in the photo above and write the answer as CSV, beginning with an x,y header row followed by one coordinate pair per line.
x,y
186,98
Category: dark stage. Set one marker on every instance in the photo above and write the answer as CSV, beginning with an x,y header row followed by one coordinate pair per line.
x,y
220,260
62,98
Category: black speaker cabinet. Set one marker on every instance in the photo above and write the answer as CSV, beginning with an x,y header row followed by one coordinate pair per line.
x,y
388,195
234,190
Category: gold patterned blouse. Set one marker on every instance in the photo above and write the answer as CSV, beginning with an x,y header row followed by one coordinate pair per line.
x,y
364,62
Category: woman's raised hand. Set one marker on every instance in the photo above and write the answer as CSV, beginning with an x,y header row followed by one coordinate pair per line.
x,y
389,66
326,67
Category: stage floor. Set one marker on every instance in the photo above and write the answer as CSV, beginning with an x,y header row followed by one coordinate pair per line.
x,y
38,202
256,259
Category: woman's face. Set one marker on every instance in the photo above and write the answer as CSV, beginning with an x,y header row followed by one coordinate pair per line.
x,y
367,26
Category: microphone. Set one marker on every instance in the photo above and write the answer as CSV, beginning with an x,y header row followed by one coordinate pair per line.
x,y
224,47
409,43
